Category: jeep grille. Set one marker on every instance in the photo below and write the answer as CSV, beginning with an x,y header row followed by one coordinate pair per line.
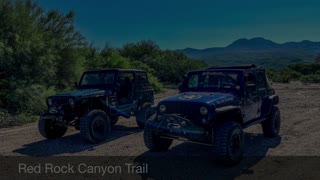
x,y
61,101
189,110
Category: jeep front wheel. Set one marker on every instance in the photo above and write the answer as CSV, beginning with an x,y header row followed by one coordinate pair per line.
x,y
271,126
50,130
95,126
228,143
154,142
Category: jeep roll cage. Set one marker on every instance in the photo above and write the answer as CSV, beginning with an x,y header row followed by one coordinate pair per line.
x,y
114,70
245,67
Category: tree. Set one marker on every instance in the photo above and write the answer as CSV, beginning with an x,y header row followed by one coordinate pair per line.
x,y
37,48
168,66
141,51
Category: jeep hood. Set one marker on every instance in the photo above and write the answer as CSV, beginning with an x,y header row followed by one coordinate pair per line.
x,y
201,97
85,92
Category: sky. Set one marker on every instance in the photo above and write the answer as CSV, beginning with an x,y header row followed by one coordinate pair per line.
x,y
177,24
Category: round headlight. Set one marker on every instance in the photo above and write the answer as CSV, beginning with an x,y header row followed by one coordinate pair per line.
x,y
162,108
49,102
71,102
203,110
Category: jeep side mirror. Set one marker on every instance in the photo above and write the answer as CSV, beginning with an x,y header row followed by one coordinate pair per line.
x,y
76,85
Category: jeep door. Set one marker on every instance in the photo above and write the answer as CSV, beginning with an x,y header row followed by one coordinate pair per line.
x,y
125,91
264,92
251,102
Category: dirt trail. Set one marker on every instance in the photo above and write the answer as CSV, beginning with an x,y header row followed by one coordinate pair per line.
x,y
299,136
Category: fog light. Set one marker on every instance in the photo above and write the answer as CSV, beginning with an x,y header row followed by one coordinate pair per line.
x,y
162,108
203,111
204,121
71,102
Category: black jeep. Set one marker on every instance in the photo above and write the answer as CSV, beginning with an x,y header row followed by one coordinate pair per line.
x,y
100,98
212,108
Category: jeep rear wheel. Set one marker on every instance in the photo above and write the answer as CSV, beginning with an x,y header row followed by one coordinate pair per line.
x,y
154,142
271,126
95,126
228,143
143,115
50,130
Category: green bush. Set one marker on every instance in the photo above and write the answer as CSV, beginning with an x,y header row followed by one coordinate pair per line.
x,y
312,78
7,120
283,75
157,86
29,99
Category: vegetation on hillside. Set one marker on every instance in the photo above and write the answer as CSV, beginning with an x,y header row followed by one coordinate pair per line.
x,y
308,73
41,53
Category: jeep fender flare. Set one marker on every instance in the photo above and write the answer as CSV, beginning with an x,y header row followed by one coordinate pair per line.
x,y
146,104
274,100
227,113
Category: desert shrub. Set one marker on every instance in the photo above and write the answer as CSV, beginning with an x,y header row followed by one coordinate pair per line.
x,y
283,75
312,78
305,69
7,120
157,86
28,99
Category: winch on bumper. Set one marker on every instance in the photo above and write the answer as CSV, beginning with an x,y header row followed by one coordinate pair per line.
x,y
58,116
176,127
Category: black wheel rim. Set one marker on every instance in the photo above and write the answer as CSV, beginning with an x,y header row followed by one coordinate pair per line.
x,y
99,128
51,125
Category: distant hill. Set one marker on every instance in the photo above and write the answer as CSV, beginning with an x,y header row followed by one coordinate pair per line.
x,y
259,51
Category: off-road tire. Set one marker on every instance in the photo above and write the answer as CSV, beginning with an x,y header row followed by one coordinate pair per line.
x,y
228,143
48,129
95,126
271,126
154,142
143,115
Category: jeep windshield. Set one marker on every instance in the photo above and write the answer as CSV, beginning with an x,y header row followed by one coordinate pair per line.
x,y
99,79
212,81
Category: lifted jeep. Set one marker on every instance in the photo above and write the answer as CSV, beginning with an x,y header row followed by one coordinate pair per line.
x,y
212,108
100,98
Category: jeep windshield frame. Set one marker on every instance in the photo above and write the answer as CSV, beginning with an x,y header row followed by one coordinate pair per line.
x,y
98,79
217,80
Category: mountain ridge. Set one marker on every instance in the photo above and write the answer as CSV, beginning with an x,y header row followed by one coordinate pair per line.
x,y
259,51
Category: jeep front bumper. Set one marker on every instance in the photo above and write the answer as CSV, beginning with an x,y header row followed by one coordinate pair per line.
x,y
174,126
